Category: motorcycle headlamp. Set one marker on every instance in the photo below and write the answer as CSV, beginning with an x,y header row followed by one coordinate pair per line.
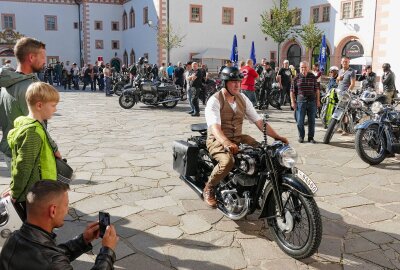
x,y
287,156
146,87
345,97
376,107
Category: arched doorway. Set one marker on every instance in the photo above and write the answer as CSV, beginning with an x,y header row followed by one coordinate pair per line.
x,y
354,49
315,57
116,64
294,55
125,58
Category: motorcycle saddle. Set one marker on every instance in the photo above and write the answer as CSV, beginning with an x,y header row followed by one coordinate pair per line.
x,y
199,127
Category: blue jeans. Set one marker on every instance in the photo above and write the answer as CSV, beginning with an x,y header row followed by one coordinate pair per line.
x,y
251,95
304,108
189,93
107,83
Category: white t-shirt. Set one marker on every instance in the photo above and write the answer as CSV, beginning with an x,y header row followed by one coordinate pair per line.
x,y
213,115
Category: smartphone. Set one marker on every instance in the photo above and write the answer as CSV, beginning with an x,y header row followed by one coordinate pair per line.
x,y
104,221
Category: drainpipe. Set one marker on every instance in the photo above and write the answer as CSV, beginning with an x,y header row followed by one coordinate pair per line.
x,y
78,2
373,38
168,48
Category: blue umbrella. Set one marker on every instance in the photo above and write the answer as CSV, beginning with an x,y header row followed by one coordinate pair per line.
x,y
234,53
322,55
253,53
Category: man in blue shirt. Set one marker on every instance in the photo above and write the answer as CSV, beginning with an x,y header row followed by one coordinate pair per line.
x,y
170,71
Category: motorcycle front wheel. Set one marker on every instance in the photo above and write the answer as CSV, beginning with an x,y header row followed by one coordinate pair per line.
x,y
299,233
370,146
333,125
126,102
323,116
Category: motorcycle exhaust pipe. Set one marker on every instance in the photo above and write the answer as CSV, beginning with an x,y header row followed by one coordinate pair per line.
x,y
169,100
191,184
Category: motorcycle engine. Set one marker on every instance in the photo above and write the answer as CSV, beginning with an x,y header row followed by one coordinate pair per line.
x,y
149,98
247,161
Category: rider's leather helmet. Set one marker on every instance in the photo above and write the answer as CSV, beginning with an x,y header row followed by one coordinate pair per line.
x,y
231,74
386,66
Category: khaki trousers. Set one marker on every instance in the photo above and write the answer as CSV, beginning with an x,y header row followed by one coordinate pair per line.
x,y
225,160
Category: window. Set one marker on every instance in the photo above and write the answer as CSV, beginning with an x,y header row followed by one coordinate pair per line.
x,y
272,56
115,44
320,14
98,25
358,7
75,25
8,21
146,55
132,18
99,44
244,36
325,13
115,26
50,23
132,57
315,15
227,15
145,15
52,59
245,19
124,21
196,13
297,17
352,9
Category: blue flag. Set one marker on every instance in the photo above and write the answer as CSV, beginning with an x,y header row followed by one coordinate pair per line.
x,y
322,55
234,53
253,53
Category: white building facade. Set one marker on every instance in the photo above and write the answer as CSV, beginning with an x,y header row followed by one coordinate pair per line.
x,y
119,31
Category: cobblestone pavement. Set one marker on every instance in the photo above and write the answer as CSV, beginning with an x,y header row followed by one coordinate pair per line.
x,y
123,165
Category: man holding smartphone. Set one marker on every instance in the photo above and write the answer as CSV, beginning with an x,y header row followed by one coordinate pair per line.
x,y
34,245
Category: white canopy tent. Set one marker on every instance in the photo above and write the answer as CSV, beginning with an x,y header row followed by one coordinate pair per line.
x,y
363,60
213,57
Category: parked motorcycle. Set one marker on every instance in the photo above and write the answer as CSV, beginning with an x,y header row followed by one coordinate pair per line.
x,y
150,93
275,99
119,82
379,137
347,114
264,179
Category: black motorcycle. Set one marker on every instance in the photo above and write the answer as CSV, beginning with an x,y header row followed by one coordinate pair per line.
x,y
264,179
150,93
379,137
118,82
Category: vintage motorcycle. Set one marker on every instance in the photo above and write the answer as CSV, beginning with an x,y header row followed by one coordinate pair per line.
x,y
119,81
264,179
379,137
150,93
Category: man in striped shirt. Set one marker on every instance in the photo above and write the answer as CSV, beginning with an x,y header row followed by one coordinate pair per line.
x,y
304,96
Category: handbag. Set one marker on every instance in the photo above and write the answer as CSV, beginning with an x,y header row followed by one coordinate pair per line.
x,y
64,171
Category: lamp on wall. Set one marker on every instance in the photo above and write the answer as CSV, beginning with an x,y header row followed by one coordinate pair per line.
x,y
151,25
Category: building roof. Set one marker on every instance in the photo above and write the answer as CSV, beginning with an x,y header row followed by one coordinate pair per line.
x,y
213,53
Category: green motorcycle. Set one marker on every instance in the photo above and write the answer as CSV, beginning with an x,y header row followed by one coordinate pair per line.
x,y
329,102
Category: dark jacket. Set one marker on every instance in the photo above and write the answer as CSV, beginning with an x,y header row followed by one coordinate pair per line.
x,y
368,80
388,80
35,249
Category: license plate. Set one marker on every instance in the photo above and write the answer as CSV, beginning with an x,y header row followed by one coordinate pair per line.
x,y
307,180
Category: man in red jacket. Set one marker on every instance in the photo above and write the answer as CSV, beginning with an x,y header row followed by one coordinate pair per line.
x,y
249,80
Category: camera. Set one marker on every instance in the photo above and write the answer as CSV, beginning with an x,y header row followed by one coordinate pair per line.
x,y
104,221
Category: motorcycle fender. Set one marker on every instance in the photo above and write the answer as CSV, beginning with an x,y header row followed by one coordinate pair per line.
x,y
289,180
366,124
338,113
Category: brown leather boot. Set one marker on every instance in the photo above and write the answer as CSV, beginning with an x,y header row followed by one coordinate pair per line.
x,y
209,196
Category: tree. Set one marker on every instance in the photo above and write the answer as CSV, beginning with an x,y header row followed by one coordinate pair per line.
x,y
311,37
278,23
169,39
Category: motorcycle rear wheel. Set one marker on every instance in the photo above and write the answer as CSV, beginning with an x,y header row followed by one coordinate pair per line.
x,y
304,213
126,102
274,99
369,138
171,104
117,89
333,125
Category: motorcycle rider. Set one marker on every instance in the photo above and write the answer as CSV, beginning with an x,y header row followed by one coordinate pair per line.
x,y
224,114
267,78
333,74
388,79
368,79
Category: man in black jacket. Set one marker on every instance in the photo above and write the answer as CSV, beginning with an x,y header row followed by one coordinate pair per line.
x,y
34,245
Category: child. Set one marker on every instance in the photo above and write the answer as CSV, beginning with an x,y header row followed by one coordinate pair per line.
x,y
32,154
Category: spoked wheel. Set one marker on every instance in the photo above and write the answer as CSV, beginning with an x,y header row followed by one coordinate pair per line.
x,y
370,146
299,233
332,127
170,104
126,102
274,99
324,116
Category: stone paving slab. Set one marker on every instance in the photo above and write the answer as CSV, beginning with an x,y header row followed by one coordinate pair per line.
x,y
126,169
